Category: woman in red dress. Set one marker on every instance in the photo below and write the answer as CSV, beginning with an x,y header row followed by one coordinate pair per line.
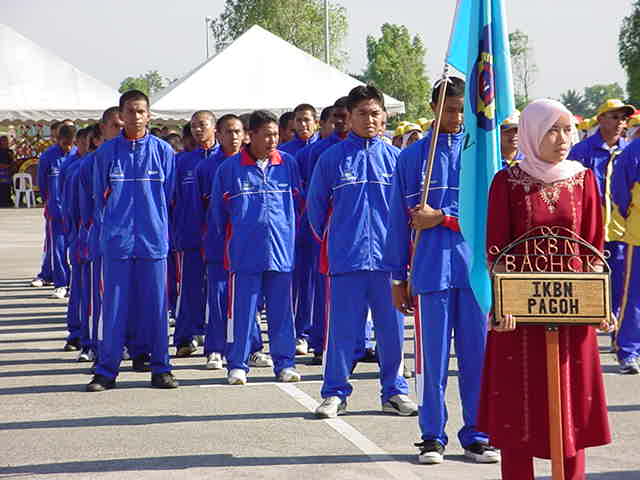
x,y
545,189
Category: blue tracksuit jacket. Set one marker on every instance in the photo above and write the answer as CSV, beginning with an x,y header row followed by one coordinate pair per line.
x,y
134,182
49,169
90,219
347,180
307,161
292,147
257,211
447,268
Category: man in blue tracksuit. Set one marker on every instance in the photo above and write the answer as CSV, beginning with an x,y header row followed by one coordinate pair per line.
x,y
348,212
71,221
445,302
49,169
305,119
90,221
231,135
188,222
133,183
599,152
255,202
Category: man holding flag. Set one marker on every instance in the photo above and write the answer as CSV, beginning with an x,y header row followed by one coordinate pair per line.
x,y
449,275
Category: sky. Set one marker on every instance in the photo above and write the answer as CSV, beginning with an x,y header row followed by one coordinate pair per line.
x,y
574,41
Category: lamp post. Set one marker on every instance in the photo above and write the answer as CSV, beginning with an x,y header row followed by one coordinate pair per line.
x,y
326,31
207,23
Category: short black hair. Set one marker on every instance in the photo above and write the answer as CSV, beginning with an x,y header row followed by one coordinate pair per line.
x,y
244,118
326,113
67,131
156,132
55,125
364,92
132,95
342,102
82,133
285,118
186,131
108,113
225,118
175,141
306,107
205,112
259,118
455,88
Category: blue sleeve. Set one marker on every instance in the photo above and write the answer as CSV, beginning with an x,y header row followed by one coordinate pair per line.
x,y
169,175
625,175
100,174
319,195
218,215
85,192
298,189
398,243
579,153
43,167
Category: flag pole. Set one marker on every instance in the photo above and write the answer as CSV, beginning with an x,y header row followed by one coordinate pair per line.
x,y
435,130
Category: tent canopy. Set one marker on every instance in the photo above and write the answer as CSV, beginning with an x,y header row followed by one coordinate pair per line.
x,y
36,85
257,71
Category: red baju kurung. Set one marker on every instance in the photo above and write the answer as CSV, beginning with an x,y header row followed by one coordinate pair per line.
x,y
513,406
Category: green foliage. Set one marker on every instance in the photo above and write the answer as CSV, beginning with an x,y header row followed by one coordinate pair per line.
x,y
396,66
150,83
299,22
587,103
523,66
629,52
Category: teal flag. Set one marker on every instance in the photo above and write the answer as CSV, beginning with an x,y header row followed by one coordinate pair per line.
x,y
479,48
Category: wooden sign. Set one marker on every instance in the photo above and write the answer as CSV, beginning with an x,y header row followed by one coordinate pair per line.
x,y
553,298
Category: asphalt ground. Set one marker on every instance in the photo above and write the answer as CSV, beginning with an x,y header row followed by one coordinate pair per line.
x,y
51,428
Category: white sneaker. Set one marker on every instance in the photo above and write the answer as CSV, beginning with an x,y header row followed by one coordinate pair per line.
x,y
331,407
302,347
237,376
37,282
199,339
260,359
481,452
60,293
125,354
86,356
214,362
289,375
400,405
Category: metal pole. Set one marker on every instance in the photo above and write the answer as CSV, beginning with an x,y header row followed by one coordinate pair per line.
x,y
206,31
326,31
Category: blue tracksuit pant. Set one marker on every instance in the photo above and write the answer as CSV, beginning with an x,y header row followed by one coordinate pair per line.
x,y
91,303
46,272
350,296
438,314
134,294
74,307
190,314
616,263
215,340
173,279
55,254
245,291
628,338
318,317
303,288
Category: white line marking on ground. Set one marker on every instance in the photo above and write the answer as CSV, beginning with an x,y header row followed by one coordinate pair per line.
x,y
380,457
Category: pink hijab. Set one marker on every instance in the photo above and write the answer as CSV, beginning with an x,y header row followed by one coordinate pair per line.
x,y
536,120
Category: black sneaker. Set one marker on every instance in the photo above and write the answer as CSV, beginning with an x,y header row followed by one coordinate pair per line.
x,y
431,452
481,452
630,367
141,363
163,380
186,349
72,345
370,356
100,383
317,359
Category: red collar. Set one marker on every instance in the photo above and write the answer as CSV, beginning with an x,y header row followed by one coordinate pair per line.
x,y
247,159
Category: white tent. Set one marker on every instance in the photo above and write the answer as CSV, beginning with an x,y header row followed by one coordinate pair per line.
x,y
37,85
257,71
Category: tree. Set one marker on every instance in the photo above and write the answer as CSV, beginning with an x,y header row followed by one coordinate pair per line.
x,y
629,52
523,66
596,95
150,83
396,66
575,102
299,22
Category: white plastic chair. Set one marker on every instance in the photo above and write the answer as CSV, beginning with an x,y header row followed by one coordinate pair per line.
x,y
23,183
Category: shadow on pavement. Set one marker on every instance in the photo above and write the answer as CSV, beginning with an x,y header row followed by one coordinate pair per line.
x,y
624,408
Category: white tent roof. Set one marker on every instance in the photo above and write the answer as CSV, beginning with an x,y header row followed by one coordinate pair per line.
x,y
37,85
257,71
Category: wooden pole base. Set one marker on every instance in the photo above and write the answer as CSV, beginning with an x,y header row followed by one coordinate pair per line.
x,y
555,403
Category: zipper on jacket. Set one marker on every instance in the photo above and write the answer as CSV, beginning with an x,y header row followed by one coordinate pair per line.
x,y
366,147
